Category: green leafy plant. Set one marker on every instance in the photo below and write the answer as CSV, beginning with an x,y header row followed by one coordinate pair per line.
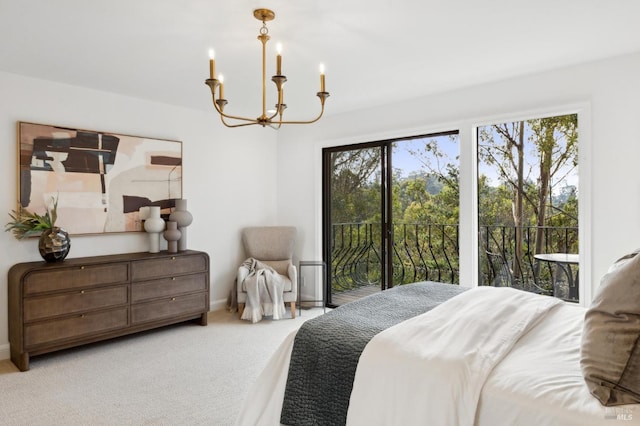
x,y
25,223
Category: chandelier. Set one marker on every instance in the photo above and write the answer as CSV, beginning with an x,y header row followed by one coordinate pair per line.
x,y
271,118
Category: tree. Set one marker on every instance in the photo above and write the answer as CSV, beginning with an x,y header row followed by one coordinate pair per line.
x,y
547,133
508,154
352,174
554,145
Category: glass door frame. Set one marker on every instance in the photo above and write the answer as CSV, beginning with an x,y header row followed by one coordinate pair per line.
x,y
327,174
386,205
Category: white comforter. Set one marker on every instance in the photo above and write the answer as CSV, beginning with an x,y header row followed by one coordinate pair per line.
x,y
431,368
514,360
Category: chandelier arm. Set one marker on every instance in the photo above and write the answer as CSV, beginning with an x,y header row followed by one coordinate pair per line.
x,y
252,121
302,122
233,117
213,84
274,115
223,115
305,122
237,125
279,112
249,122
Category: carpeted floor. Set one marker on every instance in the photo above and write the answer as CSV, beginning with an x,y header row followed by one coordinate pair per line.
x,y
178,375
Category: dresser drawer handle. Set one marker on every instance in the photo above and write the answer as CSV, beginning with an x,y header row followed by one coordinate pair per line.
x,y
82,267
81,291
173,258
82,315
173,299
173,278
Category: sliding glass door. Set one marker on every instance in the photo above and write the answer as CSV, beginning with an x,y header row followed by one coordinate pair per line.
x,y
354,206
390,214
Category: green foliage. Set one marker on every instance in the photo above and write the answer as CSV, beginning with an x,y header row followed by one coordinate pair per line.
x,y
549,157
355,184
25,223
526,207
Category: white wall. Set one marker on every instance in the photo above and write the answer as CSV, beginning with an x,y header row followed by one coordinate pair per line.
x,y
229,175
607,96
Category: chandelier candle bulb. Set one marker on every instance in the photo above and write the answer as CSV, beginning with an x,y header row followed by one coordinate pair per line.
x,y
322,77
212,64
216,85
279,59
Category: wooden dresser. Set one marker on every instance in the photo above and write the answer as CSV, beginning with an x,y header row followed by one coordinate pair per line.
x,y
54,306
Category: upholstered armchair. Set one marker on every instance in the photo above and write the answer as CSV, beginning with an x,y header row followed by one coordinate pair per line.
x,y
273,246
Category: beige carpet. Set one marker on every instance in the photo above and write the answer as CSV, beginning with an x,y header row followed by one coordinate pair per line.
x,y
178,375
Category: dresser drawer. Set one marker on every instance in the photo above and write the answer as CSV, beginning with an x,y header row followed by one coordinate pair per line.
x,y
168,266
74,277
168,308
54,306
74,327
78,301
167,287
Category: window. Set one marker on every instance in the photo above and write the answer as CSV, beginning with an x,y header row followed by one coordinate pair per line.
x,y
528,205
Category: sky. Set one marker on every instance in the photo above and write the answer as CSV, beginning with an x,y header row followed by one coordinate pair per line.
x,y
405,159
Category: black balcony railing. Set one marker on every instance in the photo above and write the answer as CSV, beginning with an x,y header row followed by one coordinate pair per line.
x,y
430,252
507,255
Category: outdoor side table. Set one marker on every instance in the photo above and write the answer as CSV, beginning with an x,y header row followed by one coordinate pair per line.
x,y
564,261
311,264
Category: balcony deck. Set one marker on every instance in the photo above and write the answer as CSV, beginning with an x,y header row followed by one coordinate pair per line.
x,y
340,298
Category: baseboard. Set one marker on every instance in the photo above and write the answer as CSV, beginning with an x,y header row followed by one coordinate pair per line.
x,y
5,352
216,305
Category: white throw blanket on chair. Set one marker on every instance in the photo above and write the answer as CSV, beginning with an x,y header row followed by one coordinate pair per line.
x,y
264,287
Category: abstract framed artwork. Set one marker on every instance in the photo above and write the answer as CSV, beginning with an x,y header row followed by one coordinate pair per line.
x,y
100,179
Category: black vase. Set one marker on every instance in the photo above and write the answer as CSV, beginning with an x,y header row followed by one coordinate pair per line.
x,y
54,244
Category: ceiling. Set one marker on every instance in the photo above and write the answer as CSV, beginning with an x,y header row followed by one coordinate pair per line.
x,y
375,51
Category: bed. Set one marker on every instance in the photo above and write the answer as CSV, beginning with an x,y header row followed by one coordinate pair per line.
x,y
481,356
